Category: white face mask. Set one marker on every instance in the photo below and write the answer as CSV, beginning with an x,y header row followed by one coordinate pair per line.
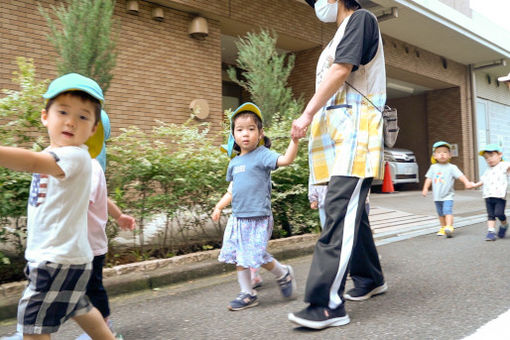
x,y
325,11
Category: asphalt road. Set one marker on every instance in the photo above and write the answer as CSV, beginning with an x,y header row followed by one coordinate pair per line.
x,y
438,289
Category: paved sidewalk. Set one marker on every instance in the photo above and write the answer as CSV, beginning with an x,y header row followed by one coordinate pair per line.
x,y
406,214
394,217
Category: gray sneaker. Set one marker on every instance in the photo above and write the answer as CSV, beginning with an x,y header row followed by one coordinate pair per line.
x,y
288,284
243,301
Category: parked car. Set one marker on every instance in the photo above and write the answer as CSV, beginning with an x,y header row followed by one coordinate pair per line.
x,y
403,166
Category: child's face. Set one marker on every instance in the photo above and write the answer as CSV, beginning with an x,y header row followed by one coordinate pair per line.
x,y
442,154
70,121
246,133
492,157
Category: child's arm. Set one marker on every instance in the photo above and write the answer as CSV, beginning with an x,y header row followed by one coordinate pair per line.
x,y
467,183
426,186
125,222
29,161
477,184
224,201
290,154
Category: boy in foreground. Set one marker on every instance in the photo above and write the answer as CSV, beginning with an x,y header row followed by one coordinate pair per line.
x,y
58,253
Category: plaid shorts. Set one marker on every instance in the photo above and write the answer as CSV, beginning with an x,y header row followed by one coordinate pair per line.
x,y
55,293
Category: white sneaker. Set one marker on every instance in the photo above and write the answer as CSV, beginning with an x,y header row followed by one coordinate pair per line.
x,y
15,336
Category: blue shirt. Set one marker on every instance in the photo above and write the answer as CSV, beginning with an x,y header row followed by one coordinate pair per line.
x,y
251,177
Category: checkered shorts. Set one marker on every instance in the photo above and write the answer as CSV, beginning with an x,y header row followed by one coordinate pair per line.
x,y
55,293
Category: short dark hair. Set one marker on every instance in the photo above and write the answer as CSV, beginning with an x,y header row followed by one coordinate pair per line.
x,y
84,96
258,122
351,5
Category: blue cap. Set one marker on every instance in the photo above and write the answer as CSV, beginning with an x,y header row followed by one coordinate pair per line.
x,y
491,148
441,143
74,82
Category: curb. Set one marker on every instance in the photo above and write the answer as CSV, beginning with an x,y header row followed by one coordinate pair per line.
x,y
155,273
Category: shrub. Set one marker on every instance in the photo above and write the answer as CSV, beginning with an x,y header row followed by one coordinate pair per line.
x,y
21,111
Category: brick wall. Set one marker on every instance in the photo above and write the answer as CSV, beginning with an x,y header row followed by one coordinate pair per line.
x,y
402,57
413,135
302,79
160,69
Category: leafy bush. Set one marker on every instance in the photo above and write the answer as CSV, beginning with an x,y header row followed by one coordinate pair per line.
x,y
21,111
174,170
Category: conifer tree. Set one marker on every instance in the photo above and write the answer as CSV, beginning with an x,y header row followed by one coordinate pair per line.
x,y
265,72
82,34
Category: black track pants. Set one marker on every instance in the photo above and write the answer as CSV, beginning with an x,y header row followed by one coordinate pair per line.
x,y
346,240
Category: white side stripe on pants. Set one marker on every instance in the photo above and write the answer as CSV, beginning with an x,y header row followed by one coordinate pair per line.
x,y
347,244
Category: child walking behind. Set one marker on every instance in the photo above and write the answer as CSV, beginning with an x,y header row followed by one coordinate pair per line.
x,y
250,226
317,197
442,175
58,252
495,184
99,208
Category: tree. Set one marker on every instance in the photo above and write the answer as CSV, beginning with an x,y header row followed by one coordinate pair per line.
x,y
264,74
84,39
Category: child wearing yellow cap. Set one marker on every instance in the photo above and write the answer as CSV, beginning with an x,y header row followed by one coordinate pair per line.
x,y
250,226
58,253
442,175
495,184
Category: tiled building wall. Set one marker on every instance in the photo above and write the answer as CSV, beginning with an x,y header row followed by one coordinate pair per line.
x,y
160,69
302,79
454,104
413,135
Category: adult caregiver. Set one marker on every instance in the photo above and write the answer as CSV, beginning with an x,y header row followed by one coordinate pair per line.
x,y
345,153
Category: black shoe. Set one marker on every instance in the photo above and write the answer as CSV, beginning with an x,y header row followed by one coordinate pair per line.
x,y
502,231
318,317
360,294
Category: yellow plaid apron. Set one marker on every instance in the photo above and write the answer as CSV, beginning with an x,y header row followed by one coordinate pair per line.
x,y
346,137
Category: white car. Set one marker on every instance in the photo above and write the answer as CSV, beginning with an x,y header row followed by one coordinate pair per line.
x,y
403,166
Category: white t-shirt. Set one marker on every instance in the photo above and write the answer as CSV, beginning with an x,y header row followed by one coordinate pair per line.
x,y
57,210
495,180
98,211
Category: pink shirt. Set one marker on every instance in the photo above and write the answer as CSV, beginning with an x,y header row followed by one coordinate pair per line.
x,y
98,211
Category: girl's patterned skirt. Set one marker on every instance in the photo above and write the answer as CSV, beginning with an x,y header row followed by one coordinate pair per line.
x,y
245,241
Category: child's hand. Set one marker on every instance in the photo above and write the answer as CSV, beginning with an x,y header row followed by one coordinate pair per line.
x,y
126,222
424,192
216,214
314,205
470,185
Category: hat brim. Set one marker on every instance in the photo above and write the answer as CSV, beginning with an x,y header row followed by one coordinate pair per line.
x,y
96,141
74,82
504,79
247,107
56,92
481,152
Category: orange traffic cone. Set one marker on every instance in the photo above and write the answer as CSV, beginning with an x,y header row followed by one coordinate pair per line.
x,y
387,185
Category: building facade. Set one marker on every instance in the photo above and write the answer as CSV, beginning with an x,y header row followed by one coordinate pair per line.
x,y
432,50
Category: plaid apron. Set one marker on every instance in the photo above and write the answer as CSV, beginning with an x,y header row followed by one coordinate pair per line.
x,y
346,136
